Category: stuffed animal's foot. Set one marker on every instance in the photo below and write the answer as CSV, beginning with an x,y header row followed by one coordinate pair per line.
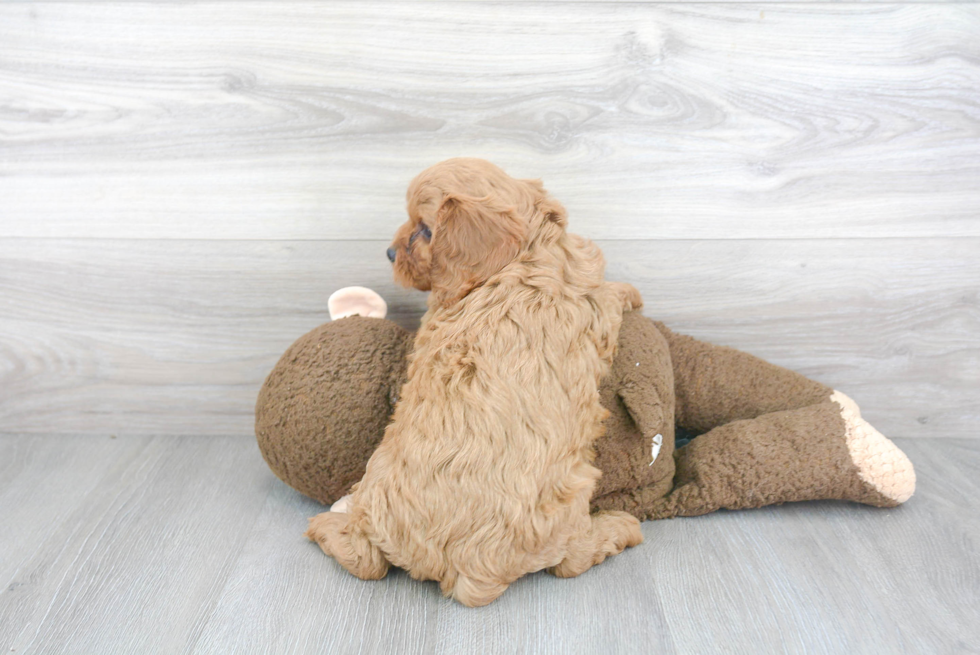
x,y
610,534
880,463
352,550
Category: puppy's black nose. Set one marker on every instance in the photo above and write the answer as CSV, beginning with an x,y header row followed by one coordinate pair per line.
x,y
391,255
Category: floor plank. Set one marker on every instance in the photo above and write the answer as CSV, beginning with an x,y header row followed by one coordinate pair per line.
x,y
143,554
44,481
300,602
297,120
190,545
176,337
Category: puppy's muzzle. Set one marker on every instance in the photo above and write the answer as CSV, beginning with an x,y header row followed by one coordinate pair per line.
x,y
391,255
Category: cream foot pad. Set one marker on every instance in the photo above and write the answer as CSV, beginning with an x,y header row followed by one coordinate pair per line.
x,y
880,463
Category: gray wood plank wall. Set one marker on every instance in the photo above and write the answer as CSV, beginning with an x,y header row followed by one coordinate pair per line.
x,y
182,185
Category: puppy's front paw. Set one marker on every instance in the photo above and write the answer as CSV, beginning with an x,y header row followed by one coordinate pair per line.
x,y
629,296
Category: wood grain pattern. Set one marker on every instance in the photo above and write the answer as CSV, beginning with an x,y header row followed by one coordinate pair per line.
x,y
176,337
296,120
144,553
190,545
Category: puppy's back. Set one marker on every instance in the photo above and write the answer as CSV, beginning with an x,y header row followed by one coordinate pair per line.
x,y
487,458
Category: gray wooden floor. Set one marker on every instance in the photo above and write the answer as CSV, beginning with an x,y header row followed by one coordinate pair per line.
x,y
189,544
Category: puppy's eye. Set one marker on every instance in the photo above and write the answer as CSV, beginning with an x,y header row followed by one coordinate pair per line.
x,y
421,231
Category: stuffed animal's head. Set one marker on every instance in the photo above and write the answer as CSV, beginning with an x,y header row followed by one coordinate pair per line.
x,y
467,220
323,409
325,405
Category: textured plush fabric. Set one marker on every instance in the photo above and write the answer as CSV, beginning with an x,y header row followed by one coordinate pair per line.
x,y
769,435
784,456
639,394
324,407
717,385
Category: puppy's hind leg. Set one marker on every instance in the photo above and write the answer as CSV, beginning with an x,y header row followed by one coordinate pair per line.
x,y
629,296
609,534
470,591
350,547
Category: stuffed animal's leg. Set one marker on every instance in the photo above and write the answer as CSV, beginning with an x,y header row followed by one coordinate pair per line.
x,y
608,534
350,547
824,451
715,385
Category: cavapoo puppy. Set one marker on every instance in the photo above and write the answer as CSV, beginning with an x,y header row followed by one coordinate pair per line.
x,y
484,473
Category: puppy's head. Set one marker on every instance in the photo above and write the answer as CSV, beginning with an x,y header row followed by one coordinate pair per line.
x,y
467,220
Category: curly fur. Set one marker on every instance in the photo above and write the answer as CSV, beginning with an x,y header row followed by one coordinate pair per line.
x,y
485,473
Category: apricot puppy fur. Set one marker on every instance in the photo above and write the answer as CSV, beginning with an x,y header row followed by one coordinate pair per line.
x,y
484,473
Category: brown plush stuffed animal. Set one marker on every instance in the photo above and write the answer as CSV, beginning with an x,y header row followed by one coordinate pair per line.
x,y
766,435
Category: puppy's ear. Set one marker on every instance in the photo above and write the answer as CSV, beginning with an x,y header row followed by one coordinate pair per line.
x,y
473,238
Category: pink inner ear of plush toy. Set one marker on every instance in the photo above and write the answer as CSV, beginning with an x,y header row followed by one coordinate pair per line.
x,y
356,300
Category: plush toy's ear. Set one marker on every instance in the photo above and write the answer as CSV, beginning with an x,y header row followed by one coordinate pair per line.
x,y
473,239
356,300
